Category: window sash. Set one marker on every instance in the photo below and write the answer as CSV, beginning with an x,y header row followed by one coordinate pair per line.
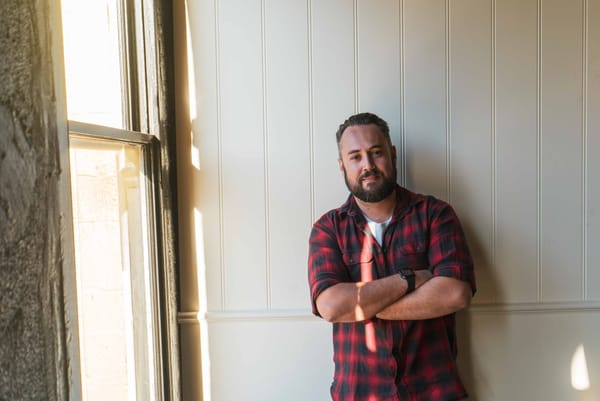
x,y
156,384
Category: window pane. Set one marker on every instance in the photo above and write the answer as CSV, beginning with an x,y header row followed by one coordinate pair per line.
x,y
114,265
93,61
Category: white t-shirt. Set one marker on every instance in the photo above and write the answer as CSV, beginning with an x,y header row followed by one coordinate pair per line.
x,y
377,229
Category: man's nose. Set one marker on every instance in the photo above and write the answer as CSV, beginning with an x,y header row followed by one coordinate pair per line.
x,y
368,164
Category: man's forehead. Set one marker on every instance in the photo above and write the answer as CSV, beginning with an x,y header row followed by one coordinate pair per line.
x,y
362,136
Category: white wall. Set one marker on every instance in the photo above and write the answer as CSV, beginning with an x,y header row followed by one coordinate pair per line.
x,y
493,105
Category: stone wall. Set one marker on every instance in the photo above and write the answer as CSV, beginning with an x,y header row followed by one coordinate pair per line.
x,y
32,363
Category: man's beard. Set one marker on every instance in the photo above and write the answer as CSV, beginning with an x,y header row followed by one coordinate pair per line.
x,y
376,194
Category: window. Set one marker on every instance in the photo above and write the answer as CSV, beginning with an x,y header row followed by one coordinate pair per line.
x,y
125,341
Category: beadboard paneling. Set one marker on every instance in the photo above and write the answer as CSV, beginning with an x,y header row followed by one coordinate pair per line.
x,y
425,154
491,107
288,150
242,101
592,151
472,152
561,150
516,150
199,158
333,90
378,48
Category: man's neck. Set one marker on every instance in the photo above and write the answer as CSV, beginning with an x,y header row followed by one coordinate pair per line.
x,y
378,211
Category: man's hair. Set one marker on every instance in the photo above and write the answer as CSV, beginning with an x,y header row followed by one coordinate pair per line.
x,y
364,119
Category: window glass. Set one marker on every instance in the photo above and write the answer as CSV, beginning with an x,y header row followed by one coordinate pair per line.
x,y
113,261
94,61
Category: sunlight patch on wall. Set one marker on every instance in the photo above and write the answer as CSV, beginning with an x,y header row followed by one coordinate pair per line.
x,y
200,260
580,379
202,307
193,107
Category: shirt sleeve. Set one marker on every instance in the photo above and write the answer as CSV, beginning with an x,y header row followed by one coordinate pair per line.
x,y
325,265
449,254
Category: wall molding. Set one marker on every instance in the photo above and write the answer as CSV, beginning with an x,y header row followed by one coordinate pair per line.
x,y
241,316
533,307
194,317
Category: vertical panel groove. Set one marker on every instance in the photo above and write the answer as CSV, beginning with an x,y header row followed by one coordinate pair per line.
x,y
539,149
448,108
311,123
493,132
220,152
263,34
584,113
356,58
401,53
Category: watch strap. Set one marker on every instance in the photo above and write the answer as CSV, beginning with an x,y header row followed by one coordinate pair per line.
x,y
409,276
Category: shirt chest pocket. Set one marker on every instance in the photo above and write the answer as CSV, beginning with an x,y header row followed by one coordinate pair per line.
x,y
412,255
360,266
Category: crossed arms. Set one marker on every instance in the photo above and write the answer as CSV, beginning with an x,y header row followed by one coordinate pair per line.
x,y
386,298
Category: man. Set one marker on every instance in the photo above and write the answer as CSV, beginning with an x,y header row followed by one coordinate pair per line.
x,y
389,269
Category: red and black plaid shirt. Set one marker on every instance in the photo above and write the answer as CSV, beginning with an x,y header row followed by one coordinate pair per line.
x,y
412,360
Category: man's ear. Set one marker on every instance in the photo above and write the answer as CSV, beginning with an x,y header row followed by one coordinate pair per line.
x,y
341,165
394,155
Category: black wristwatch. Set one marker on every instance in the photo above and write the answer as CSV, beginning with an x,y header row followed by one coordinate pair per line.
x,y
409,276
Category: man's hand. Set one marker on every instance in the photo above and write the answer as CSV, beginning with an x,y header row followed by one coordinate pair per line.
x,y
421,277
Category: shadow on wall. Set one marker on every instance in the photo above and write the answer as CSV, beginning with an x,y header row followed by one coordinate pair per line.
x,y
468,363
488,289
425,173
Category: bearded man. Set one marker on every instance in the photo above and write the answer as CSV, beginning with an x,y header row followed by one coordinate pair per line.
x,y
389,268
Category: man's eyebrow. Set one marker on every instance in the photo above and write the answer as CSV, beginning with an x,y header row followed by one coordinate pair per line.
x,y
377,146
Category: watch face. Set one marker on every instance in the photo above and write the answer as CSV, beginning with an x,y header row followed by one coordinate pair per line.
x,y
407,272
